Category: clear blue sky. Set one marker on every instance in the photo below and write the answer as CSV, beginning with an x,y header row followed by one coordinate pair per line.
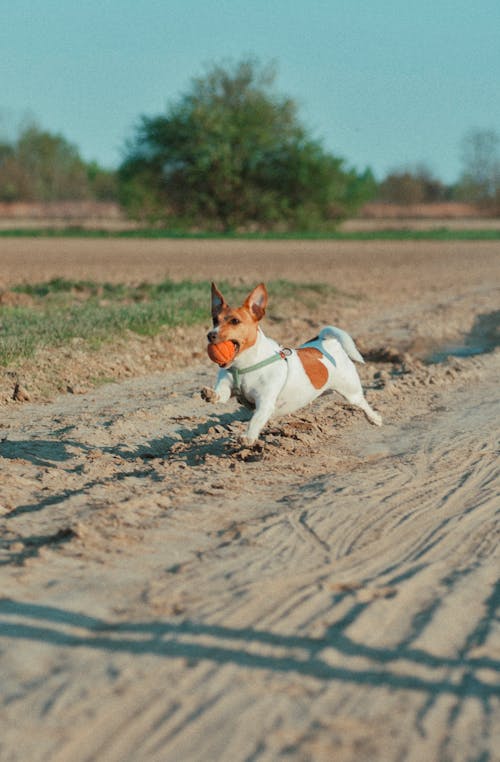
x,y
383,83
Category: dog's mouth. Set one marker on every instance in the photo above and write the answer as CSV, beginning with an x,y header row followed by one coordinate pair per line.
x,y
212,342
236,346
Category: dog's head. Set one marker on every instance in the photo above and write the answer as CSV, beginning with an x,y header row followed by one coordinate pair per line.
x,y
237,324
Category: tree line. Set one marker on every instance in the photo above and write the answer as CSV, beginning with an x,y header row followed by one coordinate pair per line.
x,y
232,153
42,166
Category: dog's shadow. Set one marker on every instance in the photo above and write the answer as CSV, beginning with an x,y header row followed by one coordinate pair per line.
x,y
217,436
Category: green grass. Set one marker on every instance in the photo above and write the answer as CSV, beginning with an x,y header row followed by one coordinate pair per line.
x,y
62,310
438,234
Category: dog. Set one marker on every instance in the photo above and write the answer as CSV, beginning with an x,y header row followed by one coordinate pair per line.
x,y
274,380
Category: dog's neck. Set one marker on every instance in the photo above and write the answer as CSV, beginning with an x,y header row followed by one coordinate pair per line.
x,y
261,350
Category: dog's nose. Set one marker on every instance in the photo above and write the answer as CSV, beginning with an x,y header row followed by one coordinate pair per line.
x,y
211,336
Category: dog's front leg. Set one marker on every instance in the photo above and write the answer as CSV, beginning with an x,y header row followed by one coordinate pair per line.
x,y
263,411
222,391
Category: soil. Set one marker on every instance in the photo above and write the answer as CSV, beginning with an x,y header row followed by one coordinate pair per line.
x,y
332,595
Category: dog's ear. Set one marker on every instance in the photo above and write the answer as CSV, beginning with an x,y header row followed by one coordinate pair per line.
x,y
218,302
256,302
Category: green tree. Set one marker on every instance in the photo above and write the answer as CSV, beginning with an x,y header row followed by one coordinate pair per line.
x,y
9,174
51,167
230,152
42,166
103,183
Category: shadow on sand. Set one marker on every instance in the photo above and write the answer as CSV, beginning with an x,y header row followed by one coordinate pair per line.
x,y
189,445
228,645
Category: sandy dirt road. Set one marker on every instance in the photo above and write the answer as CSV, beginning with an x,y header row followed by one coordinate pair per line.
x,y
170,596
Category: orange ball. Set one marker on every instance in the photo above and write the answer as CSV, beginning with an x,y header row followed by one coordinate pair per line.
x,y
221,353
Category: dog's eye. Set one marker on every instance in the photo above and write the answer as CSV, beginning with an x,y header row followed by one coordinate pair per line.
x,y
235,321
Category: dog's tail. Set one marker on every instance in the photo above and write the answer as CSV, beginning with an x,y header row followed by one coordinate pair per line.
x,y
346,341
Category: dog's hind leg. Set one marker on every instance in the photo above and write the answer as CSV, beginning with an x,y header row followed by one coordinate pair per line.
x,y
346,382
358,399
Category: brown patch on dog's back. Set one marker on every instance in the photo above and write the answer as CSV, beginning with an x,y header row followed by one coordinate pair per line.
x,y
310,357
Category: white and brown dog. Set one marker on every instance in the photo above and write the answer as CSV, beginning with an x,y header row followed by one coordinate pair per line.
x,y
275,380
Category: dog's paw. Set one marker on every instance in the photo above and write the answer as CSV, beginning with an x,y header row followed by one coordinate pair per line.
x,y
251,444
209,395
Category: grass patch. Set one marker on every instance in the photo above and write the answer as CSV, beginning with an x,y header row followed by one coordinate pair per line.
x,y
61,311
438,234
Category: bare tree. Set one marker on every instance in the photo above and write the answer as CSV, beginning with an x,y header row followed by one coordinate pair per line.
x,y
412,185
480,180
